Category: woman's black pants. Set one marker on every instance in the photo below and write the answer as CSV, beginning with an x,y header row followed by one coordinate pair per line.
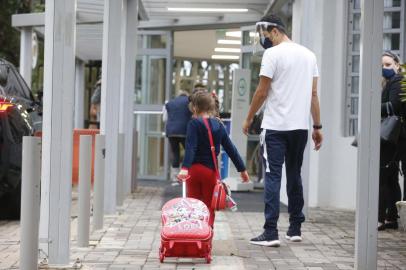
x,y
389,188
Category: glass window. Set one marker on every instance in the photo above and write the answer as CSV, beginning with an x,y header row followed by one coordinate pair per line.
x,y
353,126
354,84
152,41
354,105
151,143
391,20
253,63
247,38
392,3
355,63
357,22
391,42
357,4
150,80
138,81
356,42
156,91
246,60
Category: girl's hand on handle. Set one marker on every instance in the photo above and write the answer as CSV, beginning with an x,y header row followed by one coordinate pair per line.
x,y
244,176
183,175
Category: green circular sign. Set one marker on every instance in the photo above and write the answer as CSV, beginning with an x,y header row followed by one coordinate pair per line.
x,y
242,87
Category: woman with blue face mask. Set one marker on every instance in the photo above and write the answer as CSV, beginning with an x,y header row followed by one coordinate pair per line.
x,y
389,189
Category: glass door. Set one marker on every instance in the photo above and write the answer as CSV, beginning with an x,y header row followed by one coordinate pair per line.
x,y
153,78
252,62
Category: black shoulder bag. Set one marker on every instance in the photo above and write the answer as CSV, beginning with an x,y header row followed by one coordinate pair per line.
x,y
390,125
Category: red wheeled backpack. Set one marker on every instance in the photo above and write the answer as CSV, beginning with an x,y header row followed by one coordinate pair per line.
x,y
185,229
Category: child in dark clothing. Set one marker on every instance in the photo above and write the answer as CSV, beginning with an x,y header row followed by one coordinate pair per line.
x,y
198,161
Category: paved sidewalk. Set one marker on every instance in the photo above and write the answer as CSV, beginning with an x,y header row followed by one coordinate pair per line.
x,y
131,240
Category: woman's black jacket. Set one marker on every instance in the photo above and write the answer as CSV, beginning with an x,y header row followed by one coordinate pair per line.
x,y
391,94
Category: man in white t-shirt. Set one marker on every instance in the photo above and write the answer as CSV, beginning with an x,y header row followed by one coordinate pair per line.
x,y
288,85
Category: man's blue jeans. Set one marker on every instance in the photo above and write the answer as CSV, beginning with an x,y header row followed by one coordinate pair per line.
x,y
280,147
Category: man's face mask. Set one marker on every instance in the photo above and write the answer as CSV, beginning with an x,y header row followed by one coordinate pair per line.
x,y
261,39
266,43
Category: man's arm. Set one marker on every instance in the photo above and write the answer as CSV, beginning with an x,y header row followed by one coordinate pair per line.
x,y
260,95
315,108
317,136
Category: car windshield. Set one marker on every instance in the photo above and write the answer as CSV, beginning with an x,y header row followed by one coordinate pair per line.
x,y
12,84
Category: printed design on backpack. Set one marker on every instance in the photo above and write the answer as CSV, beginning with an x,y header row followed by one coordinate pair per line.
x,y
187,225
185,209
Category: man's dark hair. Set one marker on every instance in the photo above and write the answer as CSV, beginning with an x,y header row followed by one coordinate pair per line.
x,y
272,18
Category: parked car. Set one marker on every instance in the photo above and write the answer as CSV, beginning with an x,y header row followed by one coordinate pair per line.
x,y
20,115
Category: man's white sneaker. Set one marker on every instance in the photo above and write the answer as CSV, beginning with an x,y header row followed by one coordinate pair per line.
x,y
274,243
295,238
266,240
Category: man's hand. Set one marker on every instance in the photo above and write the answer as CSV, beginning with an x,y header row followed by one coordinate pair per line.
x,y
317,137
258,100
244,176
246,125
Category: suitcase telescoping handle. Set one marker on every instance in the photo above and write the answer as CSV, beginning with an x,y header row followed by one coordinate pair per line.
x,y
184,189
184,185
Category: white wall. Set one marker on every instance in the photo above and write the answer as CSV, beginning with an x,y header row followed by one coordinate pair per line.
x,y
338,162
321,25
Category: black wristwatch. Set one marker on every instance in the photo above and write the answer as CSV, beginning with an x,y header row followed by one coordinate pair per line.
x,y
317,126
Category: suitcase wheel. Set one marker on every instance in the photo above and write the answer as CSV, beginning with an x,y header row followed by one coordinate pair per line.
x,y
161,256
208,258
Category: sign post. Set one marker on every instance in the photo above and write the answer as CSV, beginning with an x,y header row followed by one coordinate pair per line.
x,y
239,110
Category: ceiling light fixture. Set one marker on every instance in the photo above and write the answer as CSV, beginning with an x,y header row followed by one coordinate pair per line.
x,y
228,50
225,10
225,57
229,41
236,34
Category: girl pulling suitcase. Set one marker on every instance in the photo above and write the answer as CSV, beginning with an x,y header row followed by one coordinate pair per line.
x,y
198,163
188,221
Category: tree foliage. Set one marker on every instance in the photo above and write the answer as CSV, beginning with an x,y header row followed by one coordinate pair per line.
x,y
10,37
403,93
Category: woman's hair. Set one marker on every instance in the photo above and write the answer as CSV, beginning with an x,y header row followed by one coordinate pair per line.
x,y
203,101
395,58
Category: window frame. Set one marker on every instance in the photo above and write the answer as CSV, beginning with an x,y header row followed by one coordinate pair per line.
x,y
351,118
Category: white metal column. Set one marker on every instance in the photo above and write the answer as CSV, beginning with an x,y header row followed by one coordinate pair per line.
x,y
303,17
79,94
110,99
59,85
30,202
368,130
26,54
128,60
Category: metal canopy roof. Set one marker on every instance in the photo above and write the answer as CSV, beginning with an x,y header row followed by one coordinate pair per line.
x,y
153,15
157,10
